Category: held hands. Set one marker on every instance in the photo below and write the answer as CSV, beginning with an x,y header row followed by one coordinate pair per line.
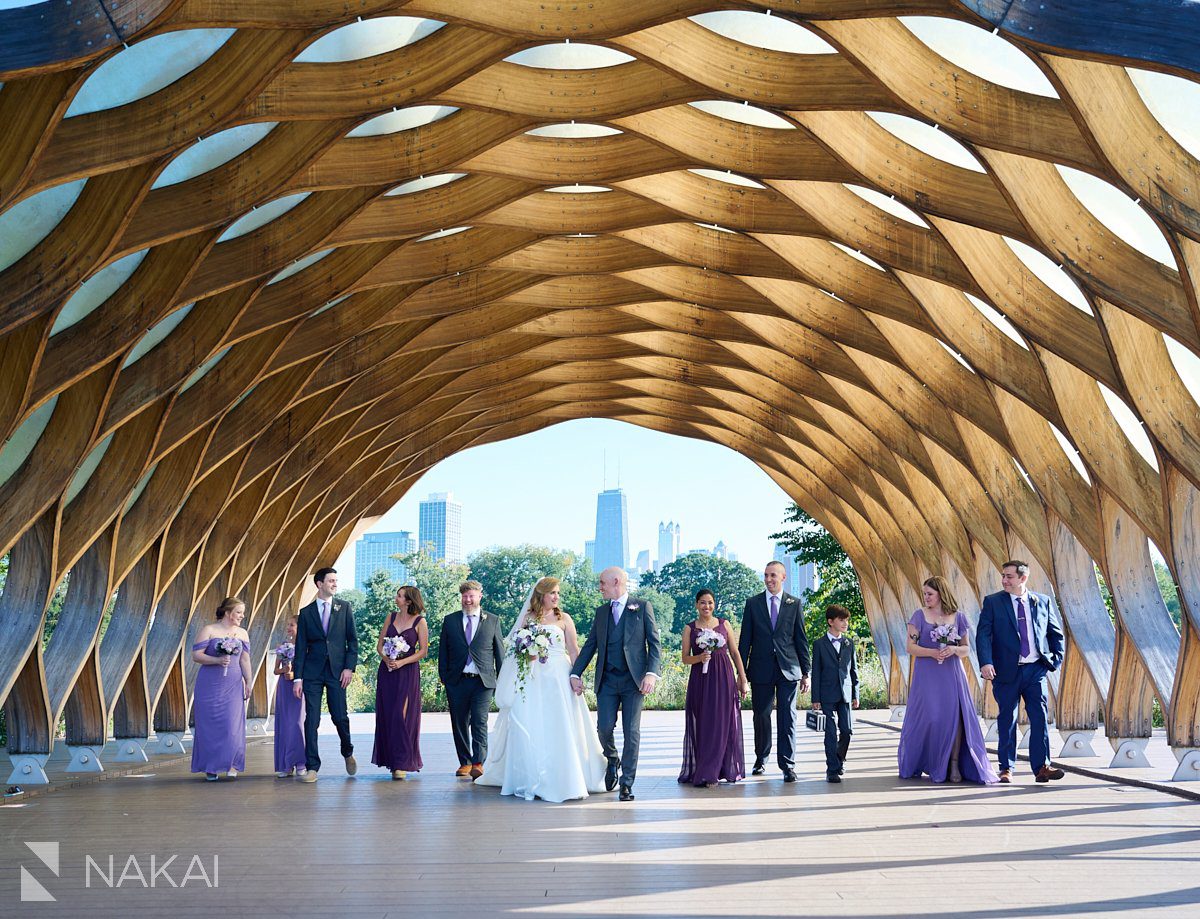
x,y
649,681
705,657
347,676
576,685
945,652
988,672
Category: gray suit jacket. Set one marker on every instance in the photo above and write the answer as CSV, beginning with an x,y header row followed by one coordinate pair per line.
x,y
834,676
314,647
642,650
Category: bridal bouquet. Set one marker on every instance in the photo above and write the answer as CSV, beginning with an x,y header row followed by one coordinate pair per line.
x,y
529,645
395,648
230,646
945,635
286,651
709,640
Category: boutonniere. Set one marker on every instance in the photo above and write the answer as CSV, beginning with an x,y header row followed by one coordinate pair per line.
x,y
788,600
482,616
631,605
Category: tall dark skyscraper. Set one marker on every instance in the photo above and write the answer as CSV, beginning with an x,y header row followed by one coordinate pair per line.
x,y
612,530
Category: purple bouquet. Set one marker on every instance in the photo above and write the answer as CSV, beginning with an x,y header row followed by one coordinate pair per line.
x,y
945,635
286,651
395,648
228,646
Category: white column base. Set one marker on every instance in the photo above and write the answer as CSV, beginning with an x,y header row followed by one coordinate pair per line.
x,y
1077,744
256,727
897,713
1189,764
1129,753
131,750
992,734
28,769
167,742
85,759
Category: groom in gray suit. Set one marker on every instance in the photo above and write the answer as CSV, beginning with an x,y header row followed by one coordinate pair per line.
x,y
624,641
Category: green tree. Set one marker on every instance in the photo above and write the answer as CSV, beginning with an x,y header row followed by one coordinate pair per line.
x,y
438,582
581,595
1170,593
811,542
730,582
664,613
371,608
507,574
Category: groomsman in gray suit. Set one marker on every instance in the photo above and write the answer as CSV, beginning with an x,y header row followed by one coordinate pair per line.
x,y
470,651
624,641
775,649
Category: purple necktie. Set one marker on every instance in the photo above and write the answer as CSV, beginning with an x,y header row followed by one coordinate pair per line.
x,y
470,628
1022,627
774,611
616,608
325,616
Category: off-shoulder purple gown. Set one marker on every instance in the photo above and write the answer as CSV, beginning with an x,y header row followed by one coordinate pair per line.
x,y
712,735
398,709
220,713
938,701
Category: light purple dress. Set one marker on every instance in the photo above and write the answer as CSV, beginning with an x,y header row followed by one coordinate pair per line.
x,y
220,713
289,726
938,701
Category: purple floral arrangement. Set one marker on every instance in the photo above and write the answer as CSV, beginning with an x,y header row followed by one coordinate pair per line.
x,y
229,646
945,635
286,651
395,648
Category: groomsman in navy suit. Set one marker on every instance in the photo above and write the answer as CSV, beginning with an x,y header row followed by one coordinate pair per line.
x,y
775,649
1019,640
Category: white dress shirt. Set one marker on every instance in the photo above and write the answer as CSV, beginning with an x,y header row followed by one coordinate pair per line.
x,y
837,643
1033,652
475,619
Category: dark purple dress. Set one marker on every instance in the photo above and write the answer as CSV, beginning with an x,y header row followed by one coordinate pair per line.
x,y
219,711
712,736
289,726
938,701
398,709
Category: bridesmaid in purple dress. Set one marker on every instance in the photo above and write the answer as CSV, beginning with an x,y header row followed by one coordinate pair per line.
x,y
940,735
712,738
222,650
289,714
398,687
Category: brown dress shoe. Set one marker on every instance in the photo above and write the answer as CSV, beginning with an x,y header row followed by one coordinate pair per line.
x,y
1005,776
476,771
1049,773
463,771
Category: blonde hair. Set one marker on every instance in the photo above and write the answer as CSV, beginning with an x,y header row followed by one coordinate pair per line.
x,y
540,590
944,591
228,605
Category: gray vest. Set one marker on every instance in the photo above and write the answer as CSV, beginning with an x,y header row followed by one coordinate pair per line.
x,y
614,654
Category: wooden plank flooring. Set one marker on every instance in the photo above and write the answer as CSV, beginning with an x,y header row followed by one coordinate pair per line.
x,y
367,846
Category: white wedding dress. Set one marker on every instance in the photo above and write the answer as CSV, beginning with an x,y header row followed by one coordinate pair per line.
x,y
544,744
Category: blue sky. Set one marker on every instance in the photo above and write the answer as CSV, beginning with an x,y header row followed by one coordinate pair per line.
x,y
541,488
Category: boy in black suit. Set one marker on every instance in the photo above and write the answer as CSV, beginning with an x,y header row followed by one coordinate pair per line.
x,y
835,687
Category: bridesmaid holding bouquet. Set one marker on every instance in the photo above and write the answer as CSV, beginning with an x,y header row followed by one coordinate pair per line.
x,y
222,650
712,740
403,643
289,711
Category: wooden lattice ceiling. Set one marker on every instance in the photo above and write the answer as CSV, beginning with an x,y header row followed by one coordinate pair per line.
x,y
879,396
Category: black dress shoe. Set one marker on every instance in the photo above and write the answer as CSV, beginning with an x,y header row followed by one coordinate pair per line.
x,y
789,776
841,770
626,793
834,778
610,777
759,768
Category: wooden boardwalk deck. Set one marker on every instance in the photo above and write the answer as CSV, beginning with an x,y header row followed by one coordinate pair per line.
x,y
874,846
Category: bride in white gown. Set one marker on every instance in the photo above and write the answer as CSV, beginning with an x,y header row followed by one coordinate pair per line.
x,y
544,744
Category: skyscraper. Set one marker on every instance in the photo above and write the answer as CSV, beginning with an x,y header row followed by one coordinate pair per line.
x,y
440,527
612,530
374,553
589,552
643,561
668,543
799,577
